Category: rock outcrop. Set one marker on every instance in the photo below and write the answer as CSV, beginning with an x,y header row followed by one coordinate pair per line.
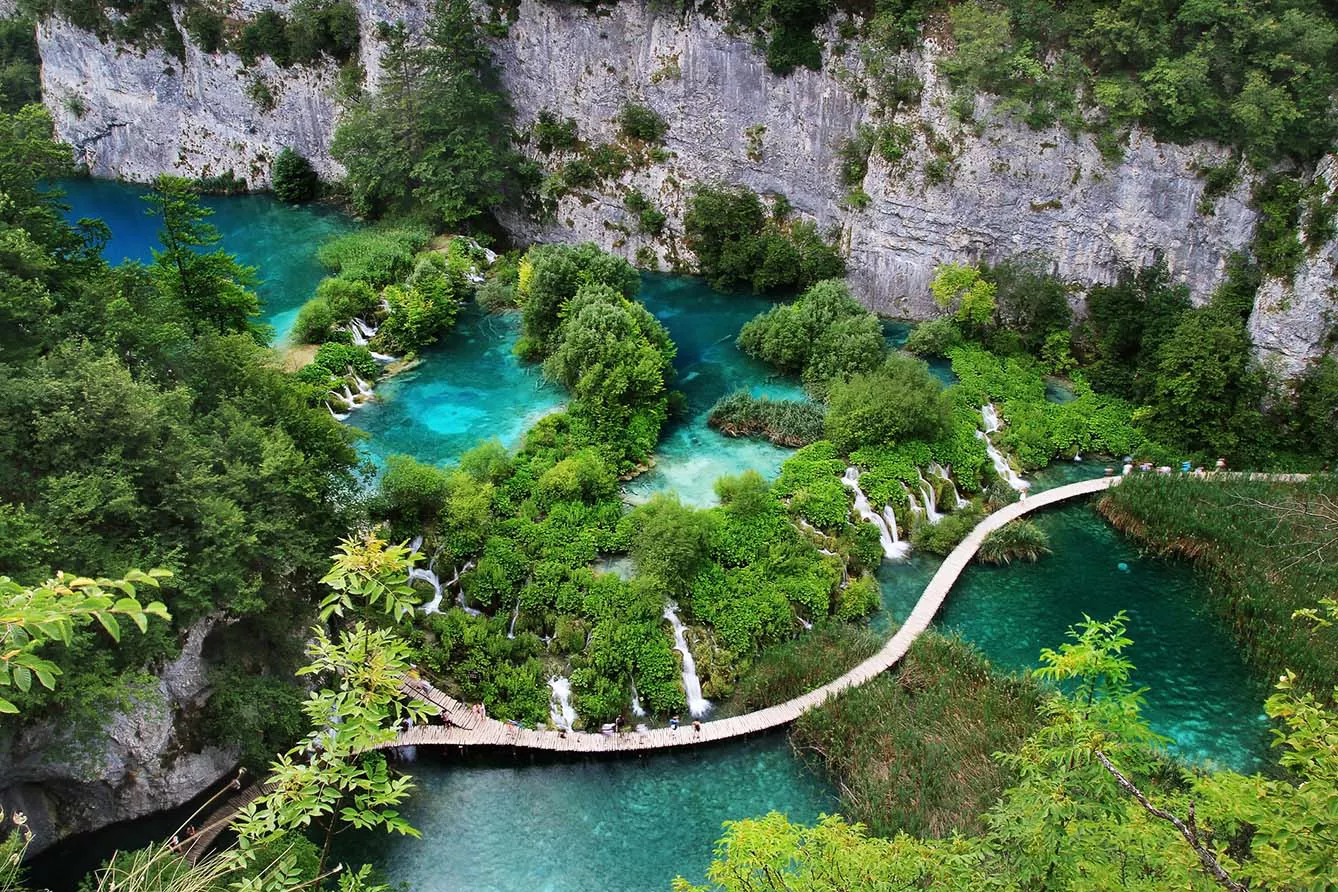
x,y
999,188
145,763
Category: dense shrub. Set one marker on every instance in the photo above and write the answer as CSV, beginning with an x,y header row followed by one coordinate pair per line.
x,y
315,321
554,134
205,27
897,402
378,256
20,65
942,537
784,29
549,278
293,178
797,667
824,335
811,481
737,243
637,121
346,298
934,337
337,359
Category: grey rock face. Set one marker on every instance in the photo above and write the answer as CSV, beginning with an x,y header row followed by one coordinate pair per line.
x,y
1007,189
1293,322
148,762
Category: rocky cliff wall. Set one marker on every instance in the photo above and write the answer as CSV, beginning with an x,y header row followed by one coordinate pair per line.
x,y
1008,188
147,763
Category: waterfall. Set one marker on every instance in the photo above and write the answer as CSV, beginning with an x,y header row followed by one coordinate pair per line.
x,y
888,539
1001,465
338,416
899,549
364,389
559,706
990,416
916,510
931,503
692,685
347,396
958,501
430,576
637,709
808,626
515,615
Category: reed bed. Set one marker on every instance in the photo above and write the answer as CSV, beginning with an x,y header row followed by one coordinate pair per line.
x,y
1268,549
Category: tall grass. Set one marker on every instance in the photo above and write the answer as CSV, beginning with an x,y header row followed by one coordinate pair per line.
x,y
796,667
377,255
1020,540
911,750
783,422
1269,549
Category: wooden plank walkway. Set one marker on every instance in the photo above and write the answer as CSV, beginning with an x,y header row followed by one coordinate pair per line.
x,y
194,847
467,728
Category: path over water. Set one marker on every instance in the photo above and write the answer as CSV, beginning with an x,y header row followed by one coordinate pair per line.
x,y
466,728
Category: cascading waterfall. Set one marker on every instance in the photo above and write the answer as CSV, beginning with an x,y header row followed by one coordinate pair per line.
x,y
890,517
338,416
1001,466
892,549
559,706
958,501
515,615
930,502
637,709
916,510
429,575
692,685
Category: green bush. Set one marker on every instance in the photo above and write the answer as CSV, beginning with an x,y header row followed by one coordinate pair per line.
x,y
293,178
205,27
934,338
554,134
899,401
347,297
942,537
825,334
315,322
796,667
378,256
637,121
811,480
416,317
337,359
20,65
738,244
265,35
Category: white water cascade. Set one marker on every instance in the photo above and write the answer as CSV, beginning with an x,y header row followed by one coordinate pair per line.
x,y
338,416
429,575
932,513
637,709
515,615
1001,466
900,549
958,501
559,706
916,510
892,548
692,685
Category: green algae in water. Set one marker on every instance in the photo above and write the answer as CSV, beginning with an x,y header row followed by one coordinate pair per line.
x,y
1201,692
613,825
279,240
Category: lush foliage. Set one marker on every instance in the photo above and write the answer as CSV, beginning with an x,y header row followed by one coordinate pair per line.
x,y
434,139
20,65
146,425
377,256
1093,799
293,177
738,243
911,750
796,667
896,402
312,30
824,335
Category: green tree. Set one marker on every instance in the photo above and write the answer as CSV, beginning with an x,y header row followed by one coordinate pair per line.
x,y
293,177
965,287
435,137
672,541
213,288
899,401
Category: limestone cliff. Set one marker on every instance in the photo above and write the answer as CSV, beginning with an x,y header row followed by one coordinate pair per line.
x,y
147,763
1006,189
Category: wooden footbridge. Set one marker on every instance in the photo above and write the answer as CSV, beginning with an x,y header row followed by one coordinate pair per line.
x,y
465,727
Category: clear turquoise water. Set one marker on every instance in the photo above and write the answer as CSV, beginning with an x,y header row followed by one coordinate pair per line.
x,y
1201,693
619,826
280,240
633,824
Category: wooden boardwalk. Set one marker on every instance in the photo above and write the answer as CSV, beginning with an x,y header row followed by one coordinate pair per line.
x,y
467,728
192,848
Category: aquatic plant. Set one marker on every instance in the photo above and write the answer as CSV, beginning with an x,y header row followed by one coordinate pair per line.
x,y
1019,540
783,422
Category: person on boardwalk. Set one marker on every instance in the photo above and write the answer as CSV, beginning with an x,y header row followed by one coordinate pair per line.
x,y
673,723
618,725
696,726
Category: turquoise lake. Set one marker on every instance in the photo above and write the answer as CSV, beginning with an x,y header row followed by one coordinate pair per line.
x,y
553,826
